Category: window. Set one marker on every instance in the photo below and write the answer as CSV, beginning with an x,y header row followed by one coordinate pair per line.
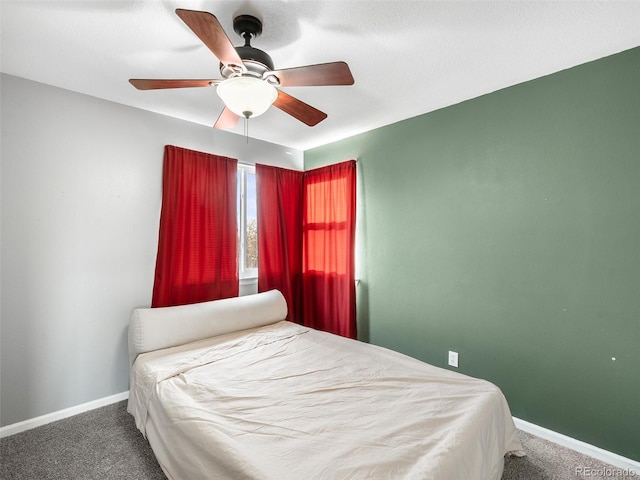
x,y
247,222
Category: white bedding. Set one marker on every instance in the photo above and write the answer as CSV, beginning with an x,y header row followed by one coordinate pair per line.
x,y
288,402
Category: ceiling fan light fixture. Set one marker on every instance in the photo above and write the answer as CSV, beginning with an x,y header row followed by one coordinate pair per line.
x,y
247,96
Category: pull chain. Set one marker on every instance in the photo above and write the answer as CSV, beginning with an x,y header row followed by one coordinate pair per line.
x,y
246,125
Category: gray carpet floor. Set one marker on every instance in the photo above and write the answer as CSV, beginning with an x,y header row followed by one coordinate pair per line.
x,y
105,444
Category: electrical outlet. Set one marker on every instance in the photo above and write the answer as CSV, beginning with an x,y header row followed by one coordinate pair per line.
x,y
453,359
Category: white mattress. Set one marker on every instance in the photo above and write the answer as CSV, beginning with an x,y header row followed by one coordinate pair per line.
x,y
288,402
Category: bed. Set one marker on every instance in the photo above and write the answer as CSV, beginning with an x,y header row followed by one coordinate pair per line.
x,y
229,390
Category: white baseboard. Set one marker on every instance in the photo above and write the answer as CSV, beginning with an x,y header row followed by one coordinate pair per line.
x,y
605,456
60,414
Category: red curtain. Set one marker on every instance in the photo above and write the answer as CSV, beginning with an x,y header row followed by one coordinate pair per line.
x,y
197,242
279,193
306,236
328,263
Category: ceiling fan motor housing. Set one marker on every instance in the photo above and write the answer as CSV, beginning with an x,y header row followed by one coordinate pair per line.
x,y
256,61
255,55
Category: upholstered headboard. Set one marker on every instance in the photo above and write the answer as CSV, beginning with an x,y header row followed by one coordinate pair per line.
x,y
155,328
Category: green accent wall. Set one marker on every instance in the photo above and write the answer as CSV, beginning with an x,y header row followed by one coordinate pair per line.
x,y
507,228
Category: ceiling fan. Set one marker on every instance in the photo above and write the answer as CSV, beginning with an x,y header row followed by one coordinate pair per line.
x,y
248,87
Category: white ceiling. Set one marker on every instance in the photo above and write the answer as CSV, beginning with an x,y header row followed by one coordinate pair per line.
x,y
407,57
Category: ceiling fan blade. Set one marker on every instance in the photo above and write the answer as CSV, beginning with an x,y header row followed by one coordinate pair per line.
x,y
298,109
226,120
335,73
208,29
150,84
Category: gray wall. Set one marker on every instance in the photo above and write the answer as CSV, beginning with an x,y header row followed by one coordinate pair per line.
x,y
81,194
507,228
